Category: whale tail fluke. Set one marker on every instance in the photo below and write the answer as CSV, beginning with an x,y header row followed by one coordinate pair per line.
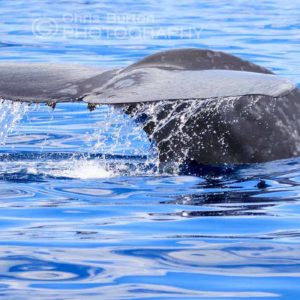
x,y
197,106
169,75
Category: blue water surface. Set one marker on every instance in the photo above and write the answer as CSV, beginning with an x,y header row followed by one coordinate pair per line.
x,y
77,225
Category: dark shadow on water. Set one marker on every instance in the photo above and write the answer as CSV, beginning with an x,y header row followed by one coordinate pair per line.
x,y
238,190
195,169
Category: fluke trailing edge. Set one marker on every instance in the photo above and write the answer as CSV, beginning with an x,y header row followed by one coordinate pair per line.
x,y
196,105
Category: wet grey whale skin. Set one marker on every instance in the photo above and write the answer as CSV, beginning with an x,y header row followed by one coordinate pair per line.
x,y
198,106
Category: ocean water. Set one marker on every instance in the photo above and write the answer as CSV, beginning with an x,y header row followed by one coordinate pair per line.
x,y
85,214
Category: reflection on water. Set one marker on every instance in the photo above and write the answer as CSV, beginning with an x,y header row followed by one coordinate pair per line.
x,y
85,212
135,237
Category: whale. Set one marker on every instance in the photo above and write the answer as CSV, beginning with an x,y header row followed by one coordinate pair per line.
x,y
195,105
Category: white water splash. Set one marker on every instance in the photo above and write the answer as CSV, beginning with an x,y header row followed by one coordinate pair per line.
x,y
73,168
123,144
117,134
10,114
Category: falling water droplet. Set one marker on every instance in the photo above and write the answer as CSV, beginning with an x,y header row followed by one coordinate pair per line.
x,y
10,114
